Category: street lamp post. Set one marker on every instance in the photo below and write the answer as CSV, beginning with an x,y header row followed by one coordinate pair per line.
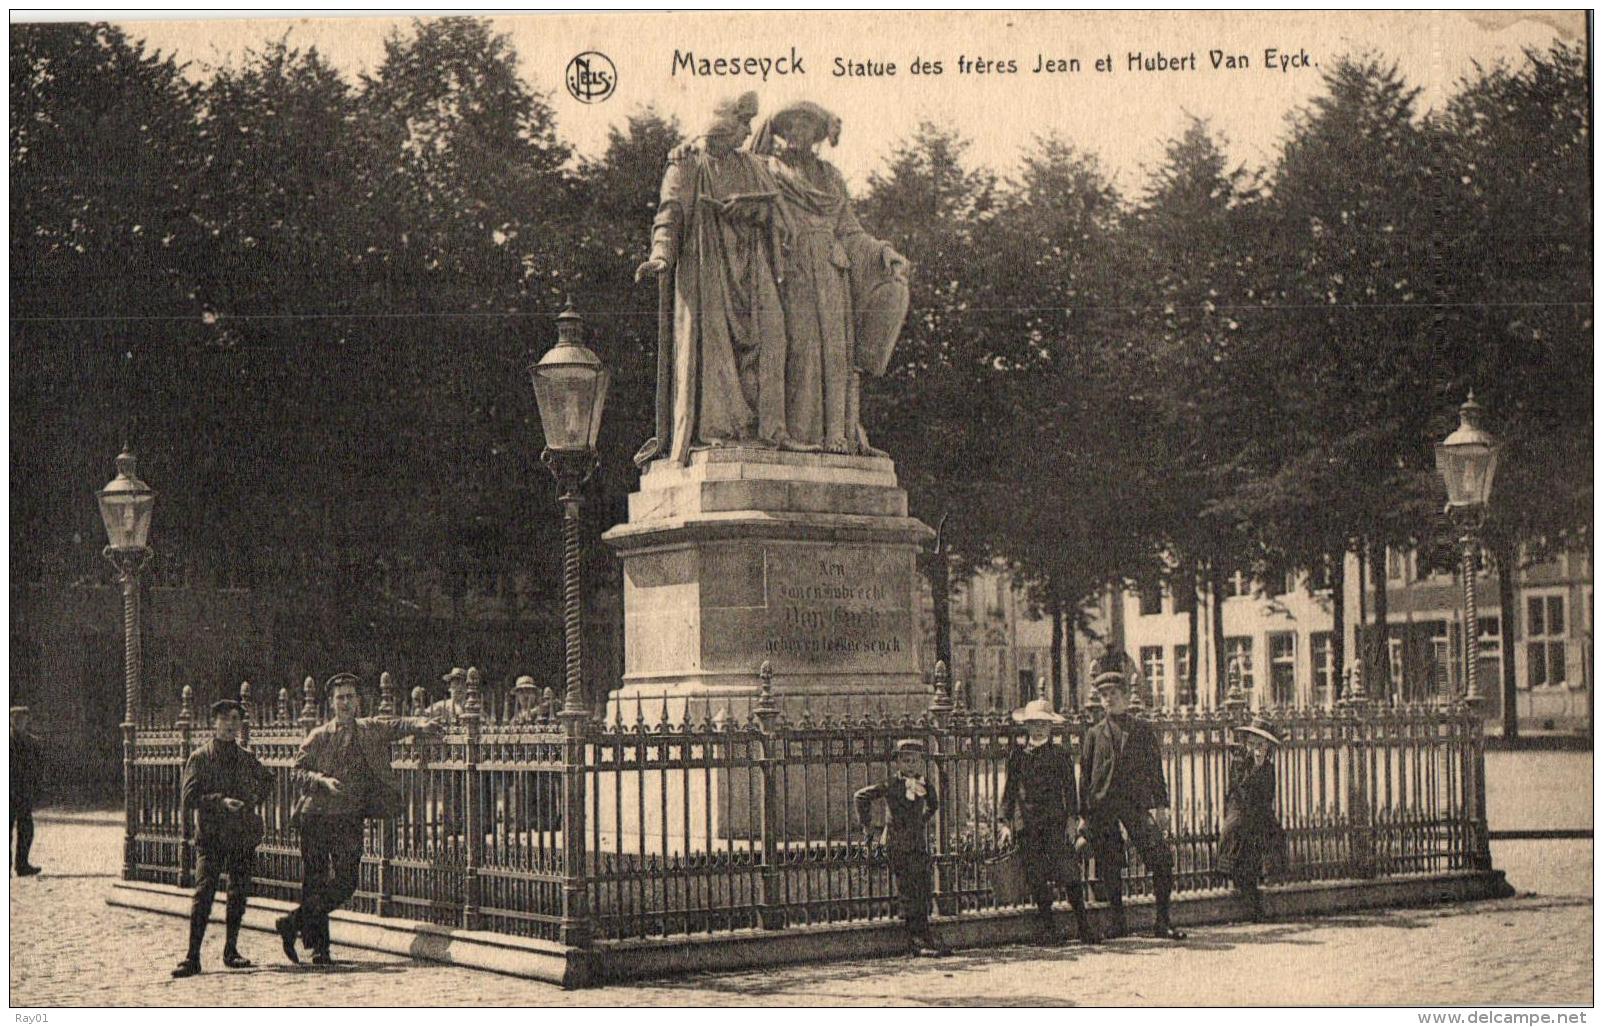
x,y
126,505
1467,461
570,388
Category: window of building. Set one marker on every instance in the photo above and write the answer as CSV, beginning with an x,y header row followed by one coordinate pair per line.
x,y
1026,685
1489,667
1152,672
1238,584
1322,657
1444,663
1185,597
1151,600
1000,609
1544,640
1396,565
1185,694
1394,661
1283,668
1238,650
1283,583
1319,576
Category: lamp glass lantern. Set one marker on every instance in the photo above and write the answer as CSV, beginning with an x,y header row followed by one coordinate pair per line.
x,y
570,388
1467,460
126,505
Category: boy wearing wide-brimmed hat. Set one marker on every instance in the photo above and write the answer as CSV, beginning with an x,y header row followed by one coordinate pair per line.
x,y
910,803
1040,789
1251,834
1121,779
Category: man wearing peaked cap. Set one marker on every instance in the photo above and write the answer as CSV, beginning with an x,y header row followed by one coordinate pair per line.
x,y
27,766
223,784
910,803
451,708
345,776
1121,779
1040,789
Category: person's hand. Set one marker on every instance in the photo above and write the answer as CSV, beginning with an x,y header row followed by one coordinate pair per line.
x,y
655,266
333,786
894,262
433,726
1004,835
1162,817
1079,827
233,805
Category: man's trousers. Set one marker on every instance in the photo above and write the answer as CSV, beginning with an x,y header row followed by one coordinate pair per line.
x,y
331,860
239,865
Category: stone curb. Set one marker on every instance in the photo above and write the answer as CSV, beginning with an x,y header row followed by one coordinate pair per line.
x,y
610,962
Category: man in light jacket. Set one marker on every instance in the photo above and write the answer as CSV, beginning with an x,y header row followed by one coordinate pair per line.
x,y
345,775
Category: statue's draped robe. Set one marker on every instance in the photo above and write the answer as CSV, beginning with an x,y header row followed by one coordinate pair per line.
x,y
825,241
729,331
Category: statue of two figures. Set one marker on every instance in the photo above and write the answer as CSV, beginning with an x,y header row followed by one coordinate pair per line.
x,y
772,299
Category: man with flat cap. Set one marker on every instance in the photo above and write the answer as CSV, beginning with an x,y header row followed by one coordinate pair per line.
x,y
345,776
911,803
27,771
223,783
1121,780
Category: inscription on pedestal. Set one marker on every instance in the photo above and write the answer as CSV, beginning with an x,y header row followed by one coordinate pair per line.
x,y
843,607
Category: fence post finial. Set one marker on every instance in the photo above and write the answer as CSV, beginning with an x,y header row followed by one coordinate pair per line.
x,y
386,695
472,705
1353,694
767,708
244,713
1138,690
1235,696
941,701
283,705
186,707
308,716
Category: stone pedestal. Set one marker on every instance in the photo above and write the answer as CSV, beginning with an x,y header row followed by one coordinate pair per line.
x,y
803,560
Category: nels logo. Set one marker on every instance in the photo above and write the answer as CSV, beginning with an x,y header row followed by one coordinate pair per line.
x,y
591,77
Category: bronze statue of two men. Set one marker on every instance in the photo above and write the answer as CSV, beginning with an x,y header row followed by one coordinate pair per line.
x,y
772,299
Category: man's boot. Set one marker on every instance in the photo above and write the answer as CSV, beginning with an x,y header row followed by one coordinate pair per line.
x,y
1254,897
1121,926
1162,928
1046,928
1082,921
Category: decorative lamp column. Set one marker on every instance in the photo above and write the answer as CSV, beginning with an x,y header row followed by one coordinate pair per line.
x,y
1467,461
570,388
126,506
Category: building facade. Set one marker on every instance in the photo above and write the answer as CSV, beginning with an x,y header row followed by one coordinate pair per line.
x,y
1281,634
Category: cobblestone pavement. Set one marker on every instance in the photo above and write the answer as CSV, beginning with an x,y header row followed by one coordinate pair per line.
x,y
69,948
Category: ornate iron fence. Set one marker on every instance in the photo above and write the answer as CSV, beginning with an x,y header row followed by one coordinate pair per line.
x,y
564,828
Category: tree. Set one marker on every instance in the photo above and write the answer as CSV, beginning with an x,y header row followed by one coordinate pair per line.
x,y
1517,319
1198,288
1352,290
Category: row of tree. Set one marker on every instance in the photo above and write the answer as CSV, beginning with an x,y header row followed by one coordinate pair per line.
x,y
310,301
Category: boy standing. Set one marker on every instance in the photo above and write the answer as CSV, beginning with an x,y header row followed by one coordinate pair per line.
x,y
1121,776
1040,789
223,782
910,802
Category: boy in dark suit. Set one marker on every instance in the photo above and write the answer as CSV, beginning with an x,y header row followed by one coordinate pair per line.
x,y
224,783
910,803
1121,778
1040,789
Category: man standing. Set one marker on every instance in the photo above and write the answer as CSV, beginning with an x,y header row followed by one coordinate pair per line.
x,y
1121,777
1040,789
27,765
345,775
224,783
450,709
